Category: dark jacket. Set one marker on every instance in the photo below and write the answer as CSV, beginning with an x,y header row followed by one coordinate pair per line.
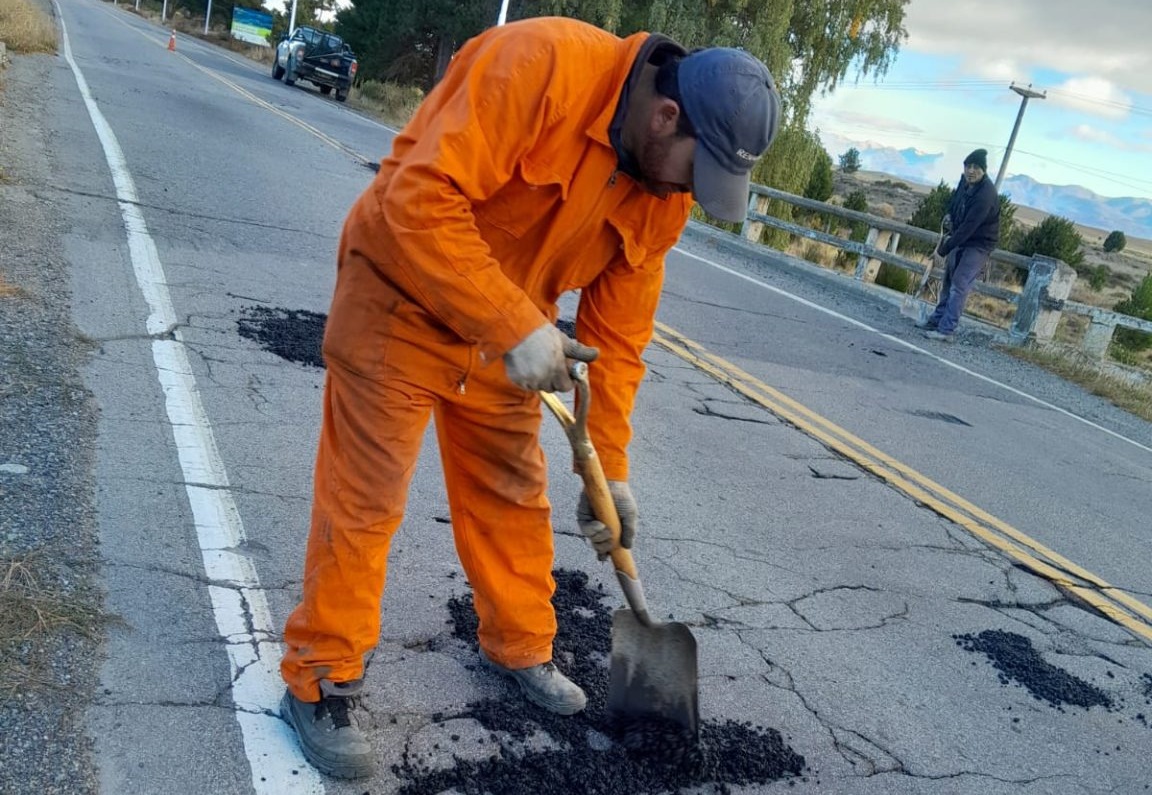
x,y
975,211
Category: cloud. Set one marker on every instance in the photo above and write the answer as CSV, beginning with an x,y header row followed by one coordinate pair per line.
x,y
871,121
1092,95
1067,36
1094,135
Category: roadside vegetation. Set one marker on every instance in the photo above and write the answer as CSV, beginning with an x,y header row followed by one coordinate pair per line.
x,y
1071,366
25,28
34,611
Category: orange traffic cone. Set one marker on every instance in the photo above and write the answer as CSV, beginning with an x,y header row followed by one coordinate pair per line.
x,y
172,42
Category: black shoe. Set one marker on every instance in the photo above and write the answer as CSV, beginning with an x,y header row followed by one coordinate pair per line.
x,y
329,730
927,325
936,335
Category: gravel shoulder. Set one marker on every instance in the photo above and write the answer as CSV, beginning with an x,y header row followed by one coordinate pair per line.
x,y
47,438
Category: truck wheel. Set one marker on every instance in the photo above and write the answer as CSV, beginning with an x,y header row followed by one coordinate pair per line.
x,y
341,94
325,90
277,69
290,72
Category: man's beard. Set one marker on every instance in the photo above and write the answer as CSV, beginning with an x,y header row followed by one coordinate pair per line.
x,y
653,155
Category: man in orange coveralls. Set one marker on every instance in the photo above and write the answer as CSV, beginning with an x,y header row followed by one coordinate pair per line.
x,y
553,156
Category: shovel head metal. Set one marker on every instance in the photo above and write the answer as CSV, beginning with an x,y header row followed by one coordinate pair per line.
x,y
653,675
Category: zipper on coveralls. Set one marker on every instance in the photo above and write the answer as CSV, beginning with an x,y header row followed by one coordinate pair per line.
x,y
460,387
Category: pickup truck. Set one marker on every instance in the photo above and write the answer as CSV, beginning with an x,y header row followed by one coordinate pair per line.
x,y
317,56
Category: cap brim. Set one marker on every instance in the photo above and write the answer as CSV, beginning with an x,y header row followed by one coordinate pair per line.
x,y
721,193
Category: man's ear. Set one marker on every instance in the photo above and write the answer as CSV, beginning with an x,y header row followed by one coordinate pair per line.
x,y
665,116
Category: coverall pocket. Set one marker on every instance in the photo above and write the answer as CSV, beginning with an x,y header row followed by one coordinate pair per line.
x,y
361,324
519,206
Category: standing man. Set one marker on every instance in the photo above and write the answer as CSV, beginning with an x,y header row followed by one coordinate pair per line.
x,y
972,230
553,156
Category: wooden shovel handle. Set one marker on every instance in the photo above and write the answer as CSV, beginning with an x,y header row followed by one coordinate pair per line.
x,y
587,465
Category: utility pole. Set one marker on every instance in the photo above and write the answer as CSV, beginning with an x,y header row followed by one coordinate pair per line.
x,y
1026,93
292,20
500,20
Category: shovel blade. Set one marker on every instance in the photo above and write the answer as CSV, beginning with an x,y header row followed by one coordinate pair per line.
x,y
653,675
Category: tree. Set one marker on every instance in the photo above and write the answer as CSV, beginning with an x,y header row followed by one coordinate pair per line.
x,y
410,41
820,180
857,200
850,161
1116,241
929,213
1138,305
808,45
1054,237
788,167
1008,227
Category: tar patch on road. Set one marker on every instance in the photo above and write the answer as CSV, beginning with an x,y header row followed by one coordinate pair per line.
x,y
297,334
1018,661
941,416
292,334
582,756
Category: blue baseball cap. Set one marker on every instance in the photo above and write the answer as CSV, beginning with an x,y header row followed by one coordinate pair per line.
x,y
732,102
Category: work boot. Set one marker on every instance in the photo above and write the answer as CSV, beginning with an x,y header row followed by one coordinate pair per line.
x,y
329,730
544,686
926,325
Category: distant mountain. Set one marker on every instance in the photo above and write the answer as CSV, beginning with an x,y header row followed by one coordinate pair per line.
x,y
909,164
1131,216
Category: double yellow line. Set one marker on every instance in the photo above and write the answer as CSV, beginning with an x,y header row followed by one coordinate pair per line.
x,y
1120,607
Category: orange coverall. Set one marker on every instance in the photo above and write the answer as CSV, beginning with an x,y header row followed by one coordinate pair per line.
x,y
501,194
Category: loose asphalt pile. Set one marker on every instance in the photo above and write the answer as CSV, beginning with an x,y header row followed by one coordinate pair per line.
x,y
585,753
1018,661
293,334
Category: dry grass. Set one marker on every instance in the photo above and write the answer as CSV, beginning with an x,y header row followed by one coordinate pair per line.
x,y
31,610
24,28
1133,397
391,102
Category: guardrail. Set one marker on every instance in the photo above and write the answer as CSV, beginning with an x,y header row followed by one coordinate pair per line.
x,y
1039,304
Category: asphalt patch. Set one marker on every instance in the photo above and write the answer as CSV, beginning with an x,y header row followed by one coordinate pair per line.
x,y
1018,661
585,753
298,335
292,334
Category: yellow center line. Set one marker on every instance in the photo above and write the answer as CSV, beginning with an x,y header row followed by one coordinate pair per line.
x,y
1020,547
251,97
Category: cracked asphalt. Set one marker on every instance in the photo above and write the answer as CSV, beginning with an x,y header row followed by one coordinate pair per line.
x,y
827,605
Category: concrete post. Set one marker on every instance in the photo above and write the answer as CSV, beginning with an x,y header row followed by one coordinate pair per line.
x,y
1028,307
1059,288
1098,337
862,260
751,230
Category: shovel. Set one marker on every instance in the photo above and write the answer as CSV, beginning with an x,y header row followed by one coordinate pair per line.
x,y
653,673
912,306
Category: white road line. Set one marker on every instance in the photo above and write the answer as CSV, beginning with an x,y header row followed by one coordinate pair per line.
x,y
239,605
909,345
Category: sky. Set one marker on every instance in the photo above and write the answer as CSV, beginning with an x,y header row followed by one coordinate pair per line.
x,y
948,92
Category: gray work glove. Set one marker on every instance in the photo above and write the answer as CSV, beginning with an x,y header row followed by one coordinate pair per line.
x,y
596,531
540,361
